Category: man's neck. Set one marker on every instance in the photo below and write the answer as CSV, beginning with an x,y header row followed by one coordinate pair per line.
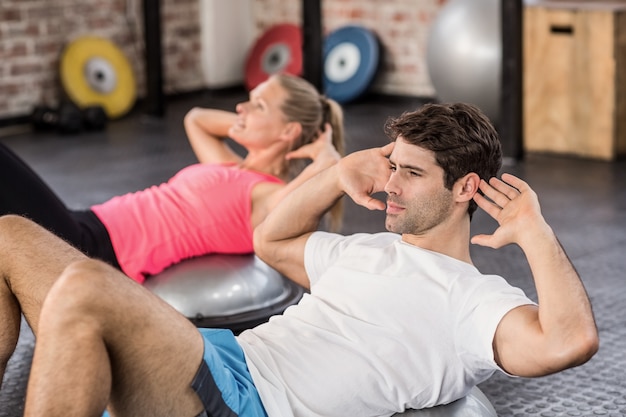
x,y
450,241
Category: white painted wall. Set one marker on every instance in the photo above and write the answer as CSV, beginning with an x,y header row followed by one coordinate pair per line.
x,y
226,36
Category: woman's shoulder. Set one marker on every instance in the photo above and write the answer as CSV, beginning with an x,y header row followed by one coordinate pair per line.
x,y
226,170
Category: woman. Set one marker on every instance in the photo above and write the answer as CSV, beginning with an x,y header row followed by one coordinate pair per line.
x,y
212,206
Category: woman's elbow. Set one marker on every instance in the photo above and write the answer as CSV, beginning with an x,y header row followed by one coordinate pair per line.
x,y
191,116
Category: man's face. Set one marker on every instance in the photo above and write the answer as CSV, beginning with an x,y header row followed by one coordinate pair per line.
x,y
417,200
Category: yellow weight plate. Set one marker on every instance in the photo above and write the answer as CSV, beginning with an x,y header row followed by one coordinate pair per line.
x,y
94,71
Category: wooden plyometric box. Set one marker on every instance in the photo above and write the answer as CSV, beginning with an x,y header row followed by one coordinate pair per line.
x,y
575,78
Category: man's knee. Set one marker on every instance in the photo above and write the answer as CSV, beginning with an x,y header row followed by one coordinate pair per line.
x,y
77,288
12,225
87,269
19,235
15,231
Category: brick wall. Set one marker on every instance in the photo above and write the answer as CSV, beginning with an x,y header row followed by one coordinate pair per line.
x,y
401,25
33,32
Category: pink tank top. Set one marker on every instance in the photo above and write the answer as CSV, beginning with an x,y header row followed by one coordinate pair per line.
x,y
204,208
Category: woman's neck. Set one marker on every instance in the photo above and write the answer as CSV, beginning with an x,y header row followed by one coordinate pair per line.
x,y
266,161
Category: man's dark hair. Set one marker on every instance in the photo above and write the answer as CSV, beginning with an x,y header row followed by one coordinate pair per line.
x,y
462,138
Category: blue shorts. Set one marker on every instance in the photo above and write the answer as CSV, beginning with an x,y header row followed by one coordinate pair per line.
x,y
223,381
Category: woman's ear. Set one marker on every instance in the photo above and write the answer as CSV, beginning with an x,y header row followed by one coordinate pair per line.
x,y
291,131
467,186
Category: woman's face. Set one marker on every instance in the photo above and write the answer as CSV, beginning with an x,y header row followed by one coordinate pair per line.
x,y
260,120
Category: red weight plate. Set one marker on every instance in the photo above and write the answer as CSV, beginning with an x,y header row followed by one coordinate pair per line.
x,y
278,50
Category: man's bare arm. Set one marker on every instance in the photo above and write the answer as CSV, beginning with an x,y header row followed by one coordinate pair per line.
x,y
281,238
560,332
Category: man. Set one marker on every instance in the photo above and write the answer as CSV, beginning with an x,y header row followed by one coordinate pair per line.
x,y
404,318
348,348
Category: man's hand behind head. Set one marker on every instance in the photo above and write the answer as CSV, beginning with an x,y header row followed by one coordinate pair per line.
x,y
364,173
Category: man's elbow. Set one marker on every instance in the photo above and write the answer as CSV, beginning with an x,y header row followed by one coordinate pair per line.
x,y
577,350
588,346
264,247
259,242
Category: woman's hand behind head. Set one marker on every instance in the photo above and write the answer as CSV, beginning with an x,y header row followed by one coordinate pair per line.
x,y
321,149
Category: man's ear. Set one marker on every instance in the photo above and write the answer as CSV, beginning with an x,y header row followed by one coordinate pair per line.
x,y
467,186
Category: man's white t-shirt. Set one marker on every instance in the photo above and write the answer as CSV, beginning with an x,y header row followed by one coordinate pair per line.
x,y
387,327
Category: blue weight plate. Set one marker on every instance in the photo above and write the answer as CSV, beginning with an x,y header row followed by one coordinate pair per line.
x,y
351,58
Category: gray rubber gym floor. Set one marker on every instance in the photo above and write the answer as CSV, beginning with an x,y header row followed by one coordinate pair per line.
x,y
584,200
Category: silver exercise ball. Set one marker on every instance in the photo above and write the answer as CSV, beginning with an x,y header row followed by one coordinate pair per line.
x,y
474,404
464,54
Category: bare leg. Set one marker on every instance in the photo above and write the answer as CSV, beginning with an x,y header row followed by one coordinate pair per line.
x,y
9,331
31,259
100,336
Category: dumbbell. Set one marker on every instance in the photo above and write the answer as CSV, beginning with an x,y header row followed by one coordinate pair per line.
x,y
68,118
94,118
